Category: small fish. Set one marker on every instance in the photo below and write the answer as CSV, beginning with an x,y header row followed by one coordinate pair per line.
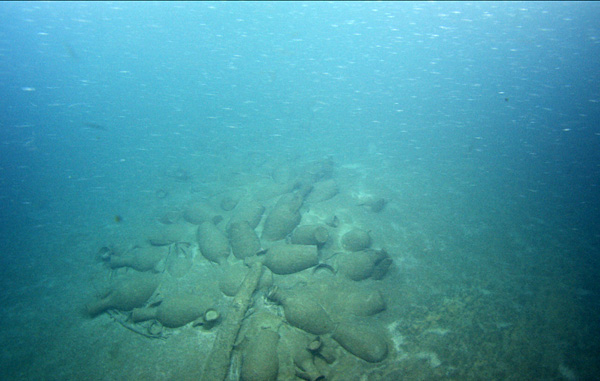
x,y
95,126
71,51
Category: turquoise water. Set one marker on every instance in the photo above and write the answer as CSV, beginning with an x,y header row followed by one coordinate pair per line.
x,y
477,122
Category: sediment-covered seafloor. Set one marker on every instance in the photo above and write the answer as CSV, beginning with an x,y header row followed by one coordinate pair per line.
x,y
337,293
356,277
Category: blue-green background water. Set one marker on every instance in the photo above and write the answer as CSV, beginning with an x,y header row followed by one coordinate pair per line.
x,y
487,114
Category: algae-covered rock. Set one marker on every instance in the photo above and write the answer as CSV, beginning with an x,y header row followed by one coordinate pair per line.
x,y
356,239
213,243
126,294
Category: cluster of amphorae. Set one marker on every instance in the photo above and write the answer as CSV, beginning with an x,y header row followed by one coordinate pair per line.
x,y
318,292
